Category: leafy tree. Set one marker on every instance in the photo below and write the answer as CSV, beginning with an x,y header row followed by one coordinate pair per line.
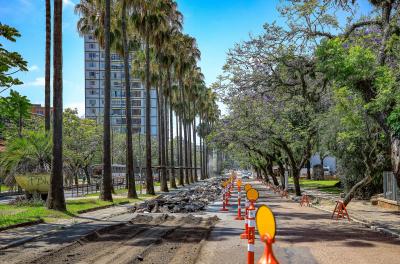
x,y
15,111
10,62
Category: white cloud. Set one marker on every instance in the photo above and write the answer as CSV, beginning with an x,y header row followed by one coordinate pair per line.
x,y
33,68
68,3
78,105
40,81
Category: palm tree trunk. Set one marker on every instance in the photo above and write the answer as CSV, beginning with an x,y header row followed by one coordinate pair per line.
x,y
106,193
181,175
149,173
195,150
47,70
166,135
159,133
171,131
129,145
56,199
164,185
190,151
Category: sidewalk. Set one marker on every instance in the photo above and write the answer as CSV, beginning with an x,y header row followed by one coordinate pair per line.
x,y
304,235
376,217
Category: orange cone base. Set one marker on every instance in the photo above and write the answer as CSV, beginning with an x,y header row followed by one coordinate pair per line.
x,y
244,236
239,218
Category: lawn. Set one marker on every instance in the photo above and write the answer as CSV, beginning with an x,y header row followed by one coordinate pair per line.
x,y
327,186
4,188
17,214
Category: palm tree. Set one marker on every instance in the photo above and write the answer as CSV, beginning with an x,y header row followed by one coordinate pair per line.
x,y
56,199
47,70
106,193
151,19
129,145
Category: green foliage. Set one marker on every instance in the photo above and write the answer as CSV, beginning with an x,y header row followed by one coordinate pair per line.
x,y
30,154
14,111
10,61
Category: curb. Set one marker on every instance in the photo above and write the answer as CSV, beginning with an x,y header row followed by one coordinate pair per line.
x,y
30,223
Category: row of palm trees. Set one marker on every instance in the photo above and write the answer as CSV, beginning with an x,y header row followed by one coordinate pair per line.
x,y
166,60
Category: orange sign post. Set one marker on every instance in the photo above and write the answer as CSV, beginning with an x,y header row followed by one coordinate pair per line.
x,y
266,227
239,209
245,233
252,196
224,209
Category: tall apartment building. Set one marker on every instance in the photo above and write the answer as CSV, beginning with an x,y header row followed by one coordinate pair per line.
x,y
94,91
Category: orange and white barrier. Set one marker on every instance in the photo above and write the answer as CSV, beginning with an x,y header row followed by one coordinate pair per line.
x,y
239,208
251,218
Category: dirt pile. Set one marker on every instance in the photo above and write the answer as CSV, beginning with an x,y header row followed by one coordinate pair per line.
x,y
186,201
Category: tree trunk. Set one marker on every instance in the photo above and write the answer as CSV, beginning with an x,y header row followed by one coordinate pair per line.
x,y
166,138
106,194
296,180
181,175
282,174
190,152
164,184
128,109
149,173
195,150
88,180
47,68
55,198
171,131
272,174
308,170
350,195
159,133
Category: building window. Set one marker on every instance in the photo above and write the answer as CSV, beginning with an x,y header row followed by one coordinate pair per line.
x,y
92,55
120,121
92,74
135,84
92,82
136,112
92,102
116,112
136,94
136,103
136,121
115,56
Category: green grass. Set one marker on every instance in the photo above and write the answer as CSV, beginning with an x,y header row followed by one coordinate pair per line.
x,y
327,186
17,214
4,188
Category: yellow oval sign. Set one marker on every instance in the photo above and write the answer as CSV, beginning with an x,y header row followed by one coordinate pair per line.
x,y
252,194
265,221
239,182
224,184
247,187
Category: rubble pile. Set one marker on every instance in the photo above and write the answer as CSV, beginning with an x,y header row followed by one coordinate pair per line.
x,y
189,200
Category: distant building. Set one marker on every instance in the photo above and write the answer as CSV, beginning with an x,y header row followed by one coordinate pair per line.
x,y
94,91
38,109
329,162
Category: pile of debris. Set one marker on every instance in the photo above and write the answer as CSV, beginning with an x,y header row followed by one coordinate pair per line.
x,y
188,200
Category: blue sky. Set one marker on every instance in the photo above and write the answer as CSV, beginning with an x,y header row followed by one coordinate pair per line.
x,y
217,26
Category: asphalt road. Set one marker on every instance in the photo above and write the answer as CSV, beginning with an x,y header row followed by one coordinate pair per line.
x,y
304,235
